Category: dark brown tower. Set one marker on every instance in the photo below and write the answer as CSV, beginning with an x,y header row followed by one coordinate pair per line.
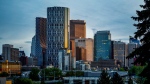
x,y
77,29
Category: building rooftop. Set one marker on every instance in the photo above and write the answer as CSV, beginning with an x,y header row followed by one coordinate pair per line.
x,y
78,21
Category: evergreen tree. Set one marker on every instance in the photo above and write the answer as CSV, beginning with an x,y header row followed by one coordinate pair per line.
x,y
116,79
104,78
143,33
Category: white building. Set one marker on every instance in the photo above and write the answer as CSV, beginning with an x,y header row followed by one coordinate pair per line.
x,y
64,60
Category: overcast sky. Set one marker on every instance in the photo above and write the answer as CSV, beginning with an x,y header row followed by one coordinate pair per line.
x,y
17,18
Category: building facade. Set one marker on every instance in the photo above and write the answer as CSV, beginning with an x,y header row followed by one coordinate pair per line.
x,y
119,52
101,64
57,32
6,51
39,40
22,53
64,60
133,40
14,54
23,60
80,53
9,53
130,48
33,44
102,45
10,67
77,30
84,49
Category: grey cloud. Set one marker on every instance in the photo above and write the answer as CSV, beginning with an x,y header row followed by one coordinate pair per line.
x,y
28,41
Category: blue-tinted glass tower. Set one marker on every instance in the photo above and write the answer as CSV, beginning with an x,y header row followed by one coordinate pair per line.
x,y
39,40
102,45
133,40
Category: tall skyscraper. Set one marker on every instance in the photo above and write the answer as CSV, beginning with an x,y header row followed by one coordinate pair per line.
x,y
119,52
39,40
57,32
84,49
102,45
77,30
33,44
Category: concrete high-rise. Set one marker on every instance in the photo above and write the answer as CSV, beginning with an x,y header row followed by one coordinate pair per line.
x,y
9,53
6,51
119,52
102,45
130,48
84,49
14,54
77,30
57,32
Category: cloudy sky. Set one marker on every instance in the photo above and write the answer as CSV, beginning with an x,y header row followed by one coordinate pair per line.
x,y
17,18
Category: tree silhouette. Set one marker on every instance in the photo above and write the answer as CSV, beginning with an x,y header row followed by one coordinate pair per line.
x,y
130,81
51,73
116,79
23,81
34,74
4,74
143,33
104,78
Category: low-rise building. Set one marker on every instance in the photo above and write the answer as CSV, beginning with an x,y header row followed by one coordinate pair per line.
x,y
102,64
64,59
23,60
12,67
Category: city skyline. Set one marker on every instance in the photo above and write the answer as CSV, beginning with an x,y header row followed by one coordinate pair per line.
x,y
17,23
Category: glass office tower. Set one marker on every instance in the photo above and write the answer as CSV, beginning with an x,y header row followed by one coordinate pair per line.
x,y
102,45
